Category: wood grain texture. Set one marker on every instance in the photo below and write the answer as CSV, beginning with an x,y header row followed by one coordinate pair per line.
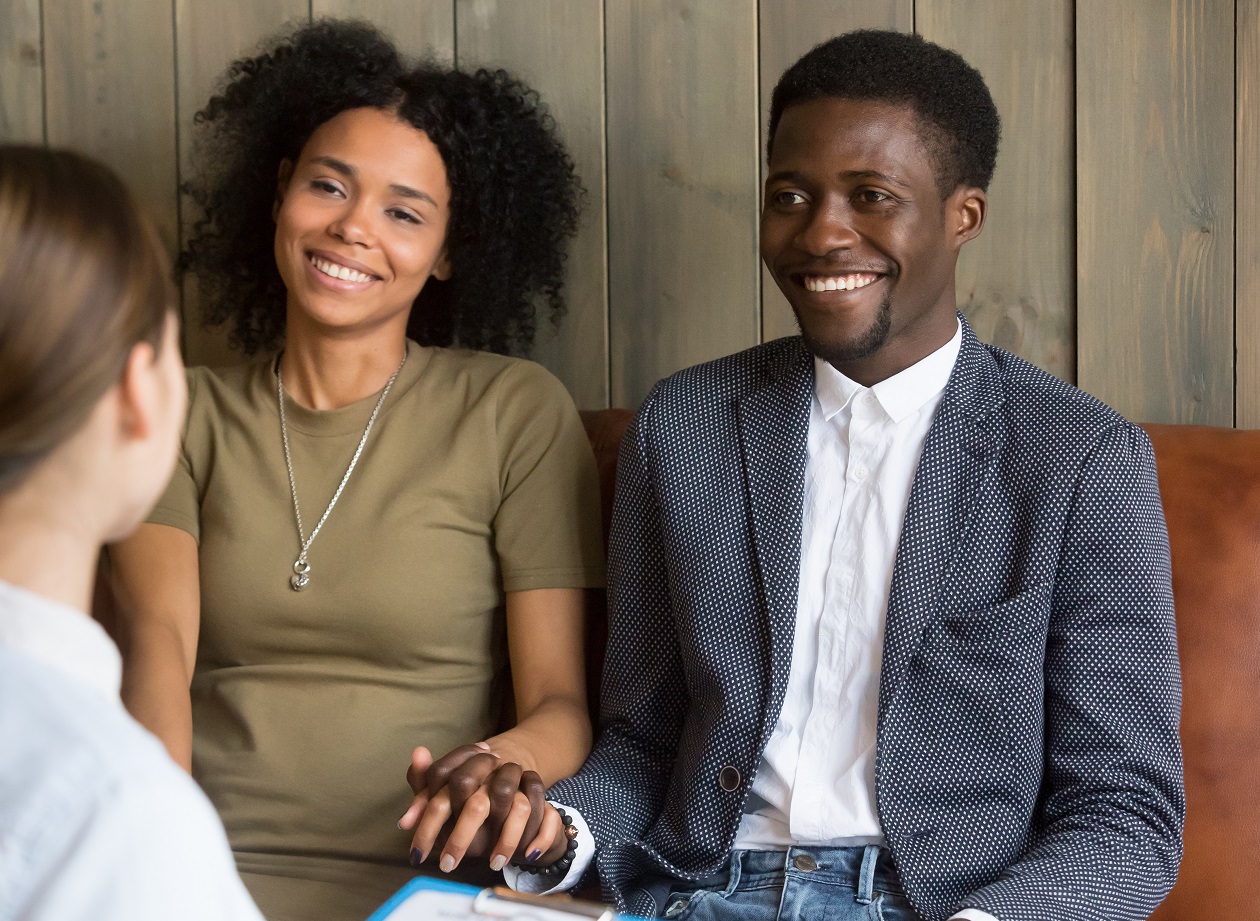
x,y
208,38
1247,177
1017,280
682,186
566,66
111,93
21,73
420,27
789,28
1155,208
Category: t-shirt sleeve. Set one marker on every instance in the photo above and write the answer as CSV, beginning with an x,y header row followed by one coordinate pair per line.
x,y
180,505
547,530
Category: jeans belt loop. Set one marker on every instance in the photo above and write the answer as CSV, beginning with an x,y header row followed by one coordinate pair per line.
x,y
736,871
866,876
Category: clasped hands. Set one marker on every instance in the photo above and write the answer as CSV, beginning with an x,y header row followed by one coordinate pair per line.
x,y
473,801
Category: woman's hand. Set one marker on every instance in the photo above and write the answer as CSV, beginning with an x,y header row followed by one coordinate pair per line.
x,y
497,807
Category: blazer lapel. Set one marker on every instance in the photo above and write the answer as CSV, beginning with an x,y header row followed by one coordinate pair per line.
x,y
773,423
957,460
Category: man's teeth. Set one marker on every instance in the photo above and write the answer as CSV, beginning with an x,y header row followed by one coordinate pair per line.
x,y
338,271
838,282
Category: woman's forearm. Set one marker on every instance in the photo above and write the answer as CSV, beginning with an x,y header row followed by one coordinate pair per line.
x,y
553,739
155,687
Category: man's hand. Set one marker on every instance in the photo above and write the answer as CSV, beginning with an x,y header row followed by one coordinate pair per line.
x,y
495,806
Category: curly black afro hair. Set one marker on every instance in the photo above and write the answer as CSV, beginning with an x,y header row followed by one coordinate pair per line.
x,y
514,195
960,123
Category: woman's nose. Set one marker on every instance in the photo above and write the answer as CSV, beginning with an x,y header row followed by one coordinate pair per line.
x,y
353,225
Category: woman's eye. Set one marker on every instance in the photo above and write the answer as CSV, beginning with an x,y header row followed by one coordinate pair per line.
x,y
323,185
399,214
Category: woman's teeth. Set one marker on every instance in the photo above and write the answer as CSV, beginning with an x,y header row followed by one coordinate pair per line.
x,y
839,282
338,271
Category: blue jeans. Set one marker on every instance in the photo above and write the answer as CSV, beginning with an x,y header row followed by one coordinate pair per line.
x,y
802,884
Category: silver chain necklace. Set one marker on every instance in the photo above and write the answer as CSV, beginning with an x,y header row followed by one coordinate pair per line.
x,y
301,577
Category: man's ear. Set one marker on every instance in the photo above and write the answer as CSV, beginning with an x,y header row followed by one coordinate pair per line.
x,y
965,212
283,175
138,393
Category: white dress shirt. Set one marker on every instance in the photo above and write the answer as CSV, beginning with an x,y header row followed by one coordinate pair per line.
x,y
96,822
815,784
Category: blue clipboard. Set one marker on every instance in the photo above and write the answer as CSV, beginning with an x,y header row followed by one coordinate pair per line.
x,y
429,899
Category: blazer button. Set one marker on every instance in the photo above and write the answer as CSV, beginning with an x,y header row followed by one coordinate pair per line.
x,y
728,778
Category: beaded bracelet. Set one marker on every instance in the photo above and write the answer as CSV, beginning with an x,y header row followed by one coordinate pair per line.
x,y
561,866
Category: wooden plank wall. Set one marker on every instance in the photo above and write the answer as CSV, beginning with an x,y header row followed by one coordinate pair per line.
x,y
1123,245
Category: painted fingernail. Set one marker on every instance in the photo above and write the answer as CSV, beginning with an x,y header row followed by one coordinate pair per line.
x,y
497,863
534,855
447,863
416,857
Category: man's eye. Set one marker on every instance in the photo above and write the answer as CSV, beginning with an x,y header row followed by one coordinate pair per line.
x,y
789,199
873,196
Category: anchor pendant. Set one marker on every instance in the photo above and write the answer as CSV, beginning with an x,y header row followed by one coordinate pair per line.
x,y
301,575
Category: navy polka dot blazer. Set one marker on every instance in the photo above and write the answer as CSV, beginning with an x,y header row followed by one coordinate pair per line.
x,y
1027,760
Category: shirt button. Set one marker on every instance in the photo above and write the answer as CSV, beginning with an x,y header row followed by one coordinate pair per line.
x,y
861,471
728,778
805,863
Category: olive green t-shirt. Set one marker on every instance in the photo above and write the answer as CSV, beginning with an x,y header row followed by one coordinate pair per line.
x,y
477,479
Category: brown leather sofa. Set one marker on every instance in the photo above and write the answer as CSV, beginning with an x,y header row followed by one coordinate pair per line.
x,y
1210,483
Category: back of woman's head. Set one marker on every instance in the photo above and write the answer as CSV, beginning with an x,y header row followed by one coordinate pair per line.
x,y
514,195
83,279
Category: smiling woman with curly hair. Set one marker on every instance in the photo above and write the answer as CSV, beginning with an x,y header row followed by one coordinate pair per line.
x,y
375,515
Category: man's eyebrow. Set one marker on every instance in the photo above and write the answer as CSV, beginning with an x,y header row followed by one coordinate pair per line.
x,y
797,176
876,175
403,191
785,175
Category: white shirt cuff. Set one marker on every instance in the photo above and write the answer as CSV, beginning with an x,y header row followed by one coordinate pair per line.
x,y
972,914
524,881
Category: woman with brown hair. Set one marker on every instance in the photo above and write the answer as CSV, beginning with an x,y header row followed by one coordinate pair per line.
x,y
96,822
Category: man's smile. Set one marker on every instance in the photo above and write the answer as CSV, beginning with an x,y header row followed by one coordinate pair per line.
x,y
847,282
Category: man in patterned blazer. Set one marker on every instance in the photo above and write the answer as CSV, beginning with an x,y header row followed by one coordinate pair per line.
x,y
891,622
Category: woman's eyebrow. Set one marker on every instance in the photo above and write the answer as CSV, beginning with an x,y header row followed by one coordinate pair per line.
x,y
403,191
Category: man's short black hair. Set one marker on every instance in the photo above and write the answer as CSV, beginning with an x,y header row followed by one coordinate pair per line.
x,y
960,123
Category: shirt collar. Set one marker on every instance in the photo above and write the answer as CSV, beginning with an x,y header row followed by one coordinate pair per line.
x,y
60,637
900,395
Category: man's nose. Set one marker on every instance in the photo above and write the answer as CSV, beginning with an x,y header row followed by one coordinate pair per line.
x,y
829,227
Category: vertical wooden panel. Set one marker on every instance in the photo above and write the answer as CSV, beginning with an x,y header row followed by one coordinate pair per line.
x,y
21,73
209,37
566,66
789,28
682,185
1017,281
1247,173
420,27
1155,206
111,92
